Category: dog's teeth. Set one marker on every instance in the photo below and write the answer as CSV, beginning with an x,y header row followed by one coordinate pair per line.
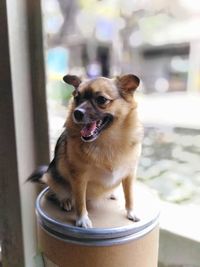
x,y
92,132
99,123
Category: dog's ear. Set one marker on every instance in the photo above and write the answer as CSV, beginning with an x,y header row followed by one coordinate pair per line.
x,y
72,80
128,83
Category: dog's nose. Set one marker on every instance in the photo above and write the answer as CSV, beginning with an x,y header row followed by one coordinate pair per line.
x,y
79,114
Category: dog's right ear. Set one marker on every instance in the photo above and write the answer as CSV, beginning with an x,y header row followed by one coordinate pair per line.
x,y
72,80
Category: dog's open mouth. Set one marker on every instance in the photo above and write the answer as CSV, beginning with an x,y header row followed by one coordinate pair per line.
x,y
91,131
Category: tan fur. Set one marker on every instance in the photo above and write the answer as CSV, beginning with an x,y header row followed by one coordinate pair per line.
x,y
93,169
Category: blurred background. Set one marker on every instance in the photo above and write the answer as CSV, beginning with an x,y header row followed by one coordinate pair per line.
x,y
157,40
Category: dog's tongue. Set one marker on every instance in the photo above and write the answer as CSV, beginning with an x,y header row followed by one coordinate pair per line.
x,y
88,129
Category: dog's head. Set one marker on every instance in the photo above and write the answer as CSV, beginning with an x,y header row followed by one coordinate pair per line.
x,y
98,103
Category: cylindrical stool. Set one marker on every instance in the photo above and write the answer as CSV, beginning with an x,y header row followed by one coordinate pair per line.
x,y
114,241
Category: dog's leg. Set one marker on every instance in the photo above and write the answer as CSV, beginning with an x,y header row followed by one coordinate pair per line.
x,y
128,183
79,187
62,192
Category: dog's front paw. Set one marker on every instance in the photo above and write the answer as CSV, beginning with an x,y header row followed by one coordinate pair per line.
x,y
84,222
131,216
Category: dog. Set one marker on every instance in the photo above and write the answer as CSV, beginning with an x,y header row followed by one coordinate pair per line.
x,y
99,148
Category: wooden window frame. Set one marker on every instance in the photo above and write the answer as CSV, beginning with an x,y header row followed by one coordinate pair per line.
x,y
24,129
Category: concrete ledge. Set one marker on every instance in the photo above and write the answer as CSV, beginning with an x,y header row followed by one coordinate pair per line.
x,y
179,236
178,251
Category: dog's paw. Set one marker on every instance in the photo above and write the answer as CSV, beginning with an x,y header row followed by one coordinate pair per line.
x,y
84,222
131,216
66,204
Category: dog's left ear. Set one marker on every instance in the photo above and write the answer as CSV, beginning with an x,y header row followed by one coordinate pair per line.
x,y
128,83
72,80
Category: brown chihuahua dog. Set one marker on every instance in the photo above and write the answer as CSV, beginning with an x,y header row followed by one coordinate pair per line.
x,y
99,147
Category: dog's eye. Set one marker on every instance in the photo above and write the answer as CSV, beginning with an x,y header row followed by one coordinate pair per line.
x,y
101,100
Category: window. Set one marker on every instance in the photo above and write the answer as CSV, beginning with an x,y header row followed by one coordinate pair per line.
x,y
158,46
159,42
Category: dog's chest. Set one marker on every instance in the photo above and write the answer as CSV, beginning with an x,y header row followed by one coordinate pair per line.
x,y
116,175
110,178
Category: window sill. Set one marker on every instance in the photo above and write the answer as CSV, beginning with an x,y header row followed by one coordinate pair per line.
x,y
179,236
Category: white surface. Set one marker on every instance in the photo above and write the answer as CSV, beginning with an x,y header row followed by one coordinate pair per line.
x,y
173,109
